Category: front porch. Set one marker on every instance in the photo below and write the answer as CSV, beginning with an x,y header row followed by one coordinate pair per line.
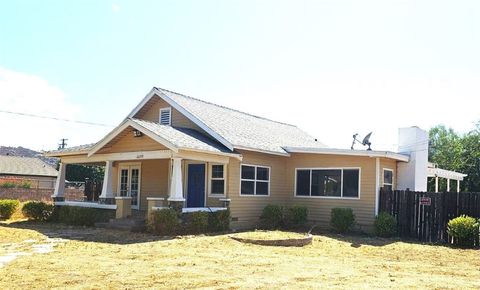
x,y
152,180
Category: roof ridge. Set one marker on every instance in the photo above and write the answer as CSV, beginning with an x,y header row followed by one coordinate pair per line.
x,y
225,107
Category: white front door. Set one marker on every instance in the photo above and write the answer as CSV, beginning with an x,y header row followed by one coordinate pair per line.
x,y
129,183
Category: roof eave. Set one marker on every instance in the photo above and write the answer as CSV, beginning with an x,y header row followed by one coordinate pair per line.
x,y
347,152
124,125
261,151
154,91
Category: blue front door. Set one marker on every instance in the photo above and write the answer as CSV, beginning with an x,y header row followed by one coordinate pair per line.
x,y
196,185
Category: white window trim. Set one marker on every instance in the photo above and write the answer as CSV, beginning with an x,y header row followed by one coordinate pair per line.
x,y
169,109
341,184
255,180
129,166
210,178
383,177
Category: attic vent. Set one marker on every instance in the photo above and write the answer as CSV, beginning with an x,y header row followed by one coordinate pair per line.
x,y
166,116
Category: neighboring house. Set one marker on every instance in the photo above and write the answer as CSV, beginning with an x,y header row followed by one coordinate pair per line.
x,y
31,170
201,155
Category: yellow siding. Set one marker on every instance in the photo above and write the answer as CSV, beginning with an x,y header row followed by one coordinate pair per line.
x,y
151,112
246,210
125,142
154,179
320,208
388,164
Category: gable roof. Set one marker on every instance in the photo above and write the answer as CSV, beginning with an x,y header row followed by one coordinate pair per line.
x,y
171,137
236,129
15,165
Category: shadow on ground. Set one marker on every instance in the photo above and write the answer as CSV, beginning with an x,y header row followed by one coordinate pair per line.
x,y
86,234
358,240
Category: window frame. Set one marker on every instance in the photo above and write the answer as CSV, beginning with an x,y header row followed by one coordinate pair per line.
x,y
383,177
210,178
255,180
169,109
341,185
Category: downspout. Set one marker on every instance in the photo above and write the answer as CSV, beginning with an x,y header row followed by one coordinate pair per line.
x,y
377,185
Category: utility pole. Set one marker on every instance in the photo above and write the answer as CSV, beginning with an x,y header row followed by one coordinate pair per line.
x,y
62,143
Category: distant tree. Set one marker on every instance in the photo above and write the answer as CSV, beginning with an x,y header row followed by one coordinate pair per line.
x,y
456,152
471,159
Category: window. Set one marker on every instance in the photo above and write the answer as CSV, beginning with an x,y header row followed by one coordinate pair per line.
x,y
255,180
388,179
217,179
328,182
166,116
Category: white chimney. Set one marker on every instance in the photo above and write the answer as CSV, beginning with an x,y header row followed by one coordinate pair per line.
x,y
413,141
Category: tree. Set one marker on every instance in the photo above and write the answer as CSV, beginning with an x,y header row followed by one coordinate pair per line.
x,y
456,152
471,159
76,172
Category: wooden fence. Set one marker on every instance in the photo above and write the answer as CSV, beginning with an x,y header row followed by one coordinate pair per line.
x,y
425,215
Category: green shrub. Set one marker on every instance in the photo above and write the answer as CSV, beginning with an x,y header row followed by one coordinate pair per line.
x,y
385,225
25,184
163,222
7,208
272,217
197,222
295,216
464,230
219,221
81,216
8,184
342,219
37,210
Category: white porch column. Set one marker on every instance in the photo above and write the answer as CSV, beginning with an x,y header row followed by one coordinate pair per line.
x,y
448,184
458,185
59,193
176,183
107,195
436,183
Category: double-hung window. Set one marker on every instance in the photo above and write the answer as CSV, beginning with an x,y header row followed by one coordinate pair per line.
x,y
329,182
217,179
388,179
255,180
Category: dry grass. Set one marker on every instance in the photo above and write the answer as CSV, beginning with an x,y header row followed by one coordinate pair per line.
x,y
93,258
269,235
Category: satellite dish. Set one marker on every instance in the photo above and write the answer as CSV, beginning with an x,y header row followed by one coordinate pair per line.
x,y
366,141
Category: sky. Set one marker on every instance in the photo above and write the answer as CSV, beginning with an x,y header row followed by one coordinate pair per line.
x,y
333,68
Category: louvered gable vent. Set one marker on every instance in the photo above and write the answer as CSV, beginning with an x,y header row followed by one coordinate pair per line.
x,y
165,116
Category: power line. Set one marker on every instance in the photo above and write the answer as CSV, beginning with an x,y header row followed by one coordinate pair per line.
x,y
56,119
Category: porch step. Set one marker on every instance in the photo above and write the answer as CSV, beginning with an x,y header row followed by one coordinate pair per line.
x,y
126,224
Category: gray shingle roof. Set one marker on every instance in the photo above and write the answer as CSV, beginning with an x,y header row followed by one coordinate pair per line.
x,y
183,137
74,149
245,130
25,166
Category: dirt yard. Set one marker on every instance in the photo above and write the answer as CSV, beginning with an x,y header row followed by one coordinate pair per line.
x,y
55,256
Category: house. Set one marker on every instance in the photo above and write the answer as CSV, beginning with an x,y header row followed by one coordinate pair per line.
x,y
173,149
27,170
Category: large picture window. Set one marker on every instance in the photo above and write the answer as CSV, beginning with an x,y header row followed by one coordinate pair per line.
x,y
340,182
255,180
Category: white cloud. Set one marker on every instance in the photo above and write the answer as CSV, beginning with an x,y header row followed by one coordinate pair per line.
x,y
20,92
115,7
